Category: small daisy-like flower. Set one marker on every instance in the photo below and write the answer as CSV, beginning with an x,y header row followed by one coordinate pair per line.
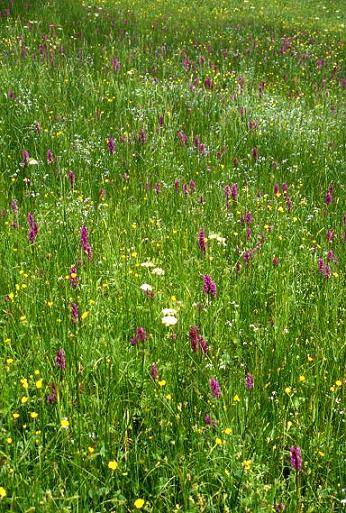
x,y
247,465
112,465
64,423
139,503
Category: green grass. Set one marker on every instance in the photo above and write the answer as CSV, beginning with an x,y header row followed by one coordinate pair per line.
x,y
284,324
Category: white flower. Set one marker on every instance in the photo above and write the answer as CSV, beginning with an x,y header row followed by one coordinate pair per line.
x,y
169,311
158,271
169,320
147,264
32,162
146,287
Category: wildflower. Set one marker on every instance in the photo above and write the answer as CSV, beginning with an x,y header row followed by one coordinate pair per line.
x,y
113,464
254,153
91,450
247,465
60,359
288,390
228,431
33,228
33,415
236,398
169,320
71,178
275,261
330,235
73,278
208,83
154,373
84,242
296,458
203,345
50,157
3,492
146,288
115,64
37,127
74,313
215,388
279,507
158,271
111,145
26,157
194,338
139,503
209,287
14,206
52,397
329,196
38,384
218,441
249,381
64,423
202,241
140,336
142,136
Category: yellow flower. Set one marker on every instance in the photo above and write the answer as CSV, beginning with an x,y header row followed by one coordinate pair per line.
x,y
9,440
24,383
91,450
38,383
338,383
162,383
64,424
218,441
139,503
3,492
37,372
288,390
24,399
113,465
33,415
247,465
228,431
236,398
168,397
321,453
302,378
84,315
15,415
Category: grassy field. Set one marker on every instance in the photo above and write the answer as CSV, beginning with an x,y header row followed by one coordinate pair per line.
x,y
172,252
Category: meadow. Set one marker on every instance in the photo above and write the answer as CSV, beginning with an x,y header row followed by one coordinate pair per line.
x,y
172,252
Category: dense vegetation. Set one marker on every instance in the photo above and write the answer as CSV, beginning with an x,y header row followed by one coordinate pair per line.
x,y
172,251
